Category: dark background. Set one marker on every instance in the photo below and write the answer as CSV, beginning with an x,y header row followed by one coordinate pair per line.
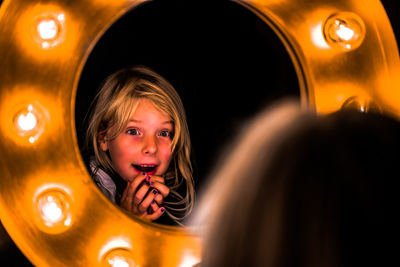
x,y
225,68
224,62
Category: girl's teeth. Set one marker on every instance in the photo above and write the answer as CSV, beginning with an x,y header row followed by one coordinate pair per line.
x,y
145,168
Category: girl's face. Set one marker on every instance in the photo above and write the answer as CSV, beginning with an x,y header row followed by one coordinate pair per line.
x,y
144,145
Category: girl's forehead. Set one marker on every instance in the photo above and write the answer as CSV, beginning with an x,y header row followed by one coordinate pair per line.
x,y
146,108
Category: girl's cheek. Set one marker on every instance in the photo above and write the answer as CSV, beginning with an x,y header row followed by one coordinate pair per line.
x,y
166,152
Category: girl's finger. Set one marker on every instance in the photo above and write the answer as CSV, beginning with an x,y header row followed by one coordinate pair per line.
x,y
125,191
157,213
162,188
157,179
145,204
159,199
127,198
154,205
138,180
140,194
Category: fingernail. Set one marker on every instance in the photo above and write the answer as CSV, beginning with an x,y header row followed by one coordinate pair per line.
x,y
143,173
162,209
151,183
154,191
153,202
148,178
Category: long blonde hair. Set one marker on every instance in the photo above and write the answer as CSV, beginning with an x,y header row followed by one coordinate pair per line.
x,y
117,101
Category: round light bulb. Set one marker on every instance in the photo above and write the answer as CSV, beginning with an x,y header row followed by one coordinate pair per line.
x,y
53,208
47,29
50,29
119,257
344,30
361,105
29,121
345,33
118,262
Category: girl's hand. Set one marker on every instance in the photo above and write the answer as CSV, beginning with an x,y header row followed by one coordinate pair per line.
x,y
143,195
157,182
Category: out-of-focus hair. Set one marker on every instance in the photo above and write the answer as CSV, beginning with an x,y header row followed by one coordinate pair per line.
x,y
300,189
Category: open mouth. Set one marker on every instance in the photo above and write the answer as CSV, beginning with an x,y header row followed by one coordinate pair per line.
x,y
145,168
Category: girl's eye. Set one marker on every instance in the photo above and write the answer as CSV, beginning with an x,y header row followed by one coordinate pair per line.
x,y
132,132
165,133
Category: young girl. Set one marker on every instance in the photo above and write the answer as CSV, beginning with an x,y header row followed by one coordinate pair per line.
x,y
141,145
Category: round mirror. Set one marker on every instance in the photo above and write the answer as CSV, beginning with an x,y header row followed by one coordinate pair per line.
x,y
224,68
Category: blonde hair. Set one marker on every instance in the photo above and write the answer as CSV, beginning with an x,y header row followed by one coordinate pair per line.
x,y
117,101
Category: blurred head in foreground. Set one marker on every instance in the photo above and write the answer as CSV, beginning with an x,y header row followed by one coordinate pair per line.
x,y
299,189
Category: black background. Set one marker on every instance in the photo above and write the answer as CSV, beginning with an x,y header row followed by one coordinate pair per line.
x,y
224,62
225,68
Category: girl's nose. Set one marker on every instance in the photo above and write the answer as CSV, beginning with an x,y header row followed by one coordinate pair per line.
x,y
150,145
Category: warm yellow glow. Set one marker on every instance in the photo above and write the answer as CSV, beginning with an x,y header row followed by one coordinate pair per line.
x,y
46,32
27,121
389,90
27,99
118,261
345,30
117,242
119,257
50,26
53,207
189,261
48,29
335,96
362,104
317,37
51,210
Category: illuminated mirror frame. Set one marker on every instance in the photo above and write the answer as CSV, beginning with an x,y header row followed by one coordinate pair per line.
x,y
344,52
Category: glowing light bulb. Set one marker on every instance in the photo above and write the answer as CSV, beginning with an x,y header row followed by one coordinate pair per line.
x,y
345,33
48,29
118,262
29,122
344,30
53,209
361,104
119,257
189,260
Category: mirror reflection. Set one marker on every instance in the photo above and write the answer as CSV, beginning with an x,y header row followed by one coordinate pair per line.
x,y
225,64
140,146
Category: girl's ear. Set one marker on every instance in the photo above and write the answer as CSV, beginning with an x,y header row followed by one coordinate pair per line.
x,y
103,143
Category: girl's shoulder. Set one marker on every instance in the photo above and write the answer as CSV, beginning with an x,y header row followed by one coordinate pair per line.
x,y
103,181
